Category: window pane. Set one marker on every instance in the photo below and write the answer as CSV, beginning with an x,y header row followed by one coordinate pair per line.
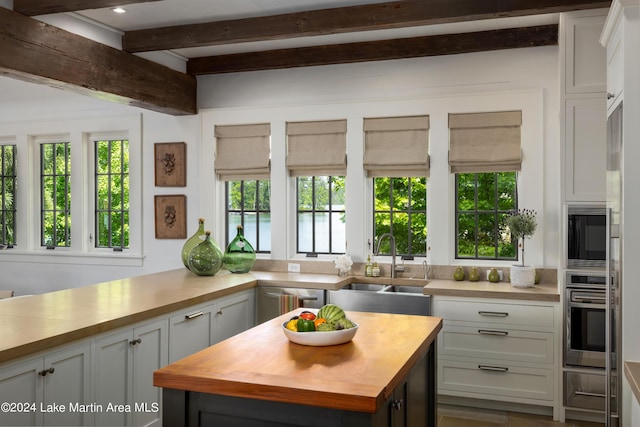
x,y
265,232
400,208
322,231
7,194
112,193
466,235
305,193
305,232
338,232
55,194
248,205
482,201
322,193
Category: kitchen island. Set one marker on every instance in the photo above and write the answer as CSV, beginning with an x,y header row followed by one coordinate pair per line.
x,y
385,376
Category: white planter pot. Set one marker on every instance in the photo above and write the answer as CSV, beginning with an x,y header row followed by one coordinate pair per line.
x,y
523,277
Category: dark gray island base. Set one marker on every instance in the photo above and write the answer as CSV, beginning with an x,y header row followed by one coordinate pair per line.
x,y
382,391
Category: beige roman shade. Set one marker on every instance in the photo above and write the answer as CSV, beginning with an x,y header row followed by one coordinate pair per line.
x,y
396,146
485,142
242,152
317,148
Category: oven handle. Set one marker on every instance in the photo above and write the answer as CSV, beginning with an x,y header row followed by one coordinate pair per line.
x,y
589,299
587,394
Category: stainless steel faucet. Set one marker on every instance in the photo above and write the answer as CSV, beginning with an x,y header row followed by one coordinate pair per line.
x,y
392,240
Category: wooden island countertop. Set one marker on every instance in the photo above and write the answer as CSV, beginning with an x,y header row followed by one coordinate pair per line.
x,y
262,364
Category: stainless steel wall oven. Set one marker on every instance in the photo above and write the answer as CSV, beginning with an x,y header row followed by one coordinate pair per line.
x,y
585,340
585,299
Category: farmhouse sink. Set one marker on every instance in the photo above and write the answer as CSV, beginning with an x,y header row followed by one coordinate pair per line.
x,y
381,298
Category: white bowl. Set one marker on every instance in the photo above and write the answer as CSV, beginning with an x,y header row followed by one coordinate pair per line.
x,y
320,338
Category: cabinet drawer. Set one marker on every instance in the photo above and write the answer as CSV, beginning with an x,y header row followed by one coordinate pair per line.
x,y
494,343
495,313
488,378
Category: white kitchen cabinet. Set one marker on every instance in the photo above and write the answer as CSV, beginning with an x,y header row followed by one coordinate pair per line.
x,y
234,314
498,350
44,385
615,69
123,374
585,143
200,326
583,97
190,331
584,57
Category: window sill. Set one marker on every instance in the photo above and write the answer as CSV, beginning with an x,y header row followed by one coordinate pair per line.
x,y
65,257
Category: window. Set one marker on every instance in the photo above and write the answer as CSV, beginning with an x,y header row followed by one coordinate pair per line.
x,y
7,195
249,204
55,194
400,208
482,202
112,193
320,205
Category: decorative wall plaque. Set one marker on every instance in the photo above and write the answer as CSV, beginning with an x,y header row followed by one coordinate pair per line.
x,y
170,164
171,216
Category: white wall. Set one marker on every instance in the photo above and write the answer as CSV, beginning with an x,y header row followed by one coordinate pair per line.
x,y
426,80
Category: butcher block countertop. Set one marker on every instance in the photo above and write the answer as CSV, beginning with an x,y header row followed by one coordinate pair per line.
x,y
262,364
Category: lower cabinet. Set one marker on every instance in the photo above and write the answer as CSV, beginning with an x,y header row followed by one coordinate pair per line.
x,y
107,380
498,350
123,375
199,327
48,390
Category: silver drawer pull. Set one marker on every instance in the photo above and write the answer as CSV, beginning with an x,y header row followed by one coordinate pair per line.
x,y
193,315
592,299
493,313
587,394
488,332
493,368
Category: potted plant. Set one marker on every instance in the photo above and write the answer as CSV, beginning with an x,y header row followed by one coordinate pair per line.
x,y
522,224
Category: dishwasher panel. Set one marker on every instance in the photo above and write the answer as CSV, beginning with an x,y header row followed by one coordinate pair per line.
x,y
273,300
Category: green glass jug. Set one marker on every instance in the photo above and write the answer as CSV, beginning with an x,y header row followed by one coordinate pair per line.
x,y
197,238
206,258
239,256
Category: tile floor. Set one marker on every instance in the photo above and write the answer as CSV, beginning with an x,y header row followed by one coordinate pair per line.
x,y
456,417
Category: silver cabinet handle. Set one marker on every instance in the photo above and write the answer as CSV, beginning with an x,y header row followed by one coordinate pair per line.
x,y
193,315
397,404
489,332
610,95
493,313
137,341
587,394
493,368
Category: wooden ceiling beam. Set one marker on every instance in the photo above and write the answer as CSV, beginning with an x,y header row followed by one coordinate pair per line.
x,y
342,20
449,44
44,7
37,52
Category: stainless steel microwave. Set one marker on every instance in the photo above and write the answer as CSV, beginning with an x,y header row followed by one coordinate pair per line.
x,y
586,236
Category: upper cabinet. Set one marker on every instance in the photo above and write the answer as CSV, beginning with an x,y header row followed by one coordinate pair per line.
x,y
584,59
584,119
619,29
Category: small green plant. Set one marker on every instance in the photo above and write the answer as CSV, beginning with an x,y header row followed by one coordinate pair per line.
x,y
522,224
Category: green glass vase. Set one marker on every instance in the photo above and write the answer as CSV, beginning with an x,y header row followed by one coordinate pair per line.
x,y
205,259
239,256
192,242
